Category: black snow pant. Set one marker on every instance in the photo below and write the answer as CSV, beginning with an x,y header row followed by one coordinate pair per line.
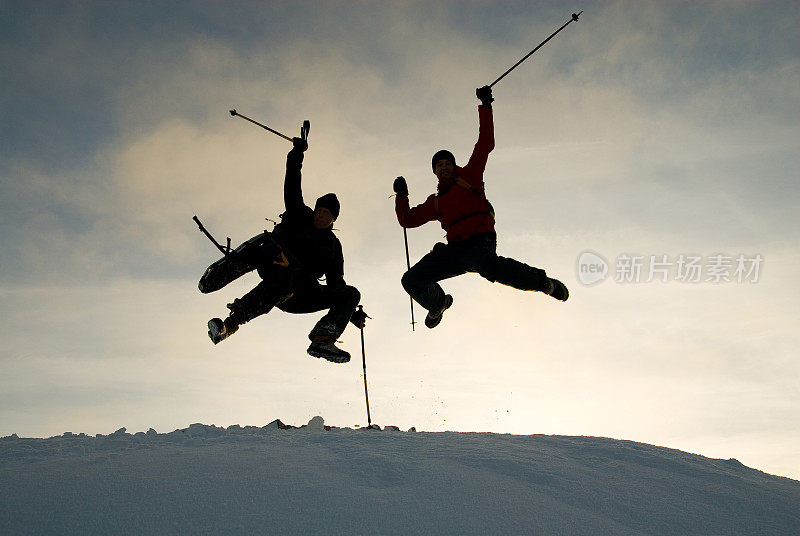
x,y
295,291
477,254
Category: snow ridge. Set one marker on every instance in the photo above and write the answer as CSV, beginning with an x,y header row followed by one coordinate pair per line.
x,y
318,479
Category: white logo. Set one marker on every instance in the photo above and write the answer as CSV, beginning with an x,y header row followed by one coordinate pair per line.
x,y
592,268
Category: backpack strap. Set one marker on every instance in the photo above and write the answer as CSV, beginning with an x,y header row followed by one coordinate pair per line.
x,y
464,184
470,215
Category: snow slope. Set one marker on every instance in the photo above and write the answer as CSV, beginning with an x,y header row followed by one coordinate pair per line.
x,y
320,480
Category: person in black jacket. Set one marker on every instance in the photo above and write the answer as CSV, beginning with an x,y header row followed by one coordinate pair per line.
x,y
301,250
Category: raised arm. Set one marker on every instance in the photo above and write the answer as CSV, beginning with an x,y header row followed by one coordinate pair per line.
x,y
292,189
485,143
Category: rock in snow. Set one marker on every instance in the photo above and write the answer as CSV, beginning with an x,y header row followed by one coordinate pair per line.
x,y
318,479
317,424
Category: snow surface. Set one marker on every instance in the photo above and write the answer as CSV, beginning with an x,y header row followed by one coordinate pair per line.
x,y
317,479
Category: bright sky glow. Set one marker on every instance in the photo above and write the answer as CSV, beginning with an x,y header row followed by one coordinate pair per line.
x,y
646,129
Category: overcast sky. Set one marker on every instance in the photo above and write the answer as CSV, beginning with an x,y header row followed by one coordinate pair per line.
x,y
647,129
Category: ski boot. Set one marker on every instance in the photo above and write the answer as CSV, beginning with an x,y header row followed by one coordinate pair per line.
x,y
432,319
327,350
556,289
323,337
219,330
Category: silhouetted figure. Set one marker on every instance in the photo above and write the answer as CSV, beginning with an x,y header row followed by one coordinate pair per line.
x,y
290,260
460,205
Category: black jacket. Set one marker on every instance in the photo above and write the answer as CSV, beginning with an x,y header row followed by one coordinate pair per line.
x,y
316,251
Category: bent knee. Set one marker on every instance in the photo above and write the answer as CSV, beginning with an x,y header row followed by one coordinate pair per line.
x,y
407,280
488,274
353,294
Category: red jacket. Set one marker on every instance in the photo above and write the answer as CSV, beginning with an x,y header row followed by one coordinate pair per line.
x,y
461,206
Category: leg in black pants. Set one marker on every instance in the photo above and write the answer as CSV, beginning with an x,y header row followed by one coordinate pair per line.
x,y
478,254
310,296
275,288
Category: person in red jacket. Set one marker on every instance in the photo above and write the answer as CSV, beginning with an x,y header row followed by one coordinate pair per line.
x,y
460,205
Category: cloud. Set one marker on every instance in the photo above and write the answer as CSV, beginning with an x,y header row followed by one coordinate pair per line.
x,y
650,128
379,111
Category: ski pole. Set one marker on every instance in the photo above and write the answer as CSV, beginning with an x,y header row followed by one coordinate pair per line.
x,y
303,130
225,250
364,361
408,261
573,19
408,264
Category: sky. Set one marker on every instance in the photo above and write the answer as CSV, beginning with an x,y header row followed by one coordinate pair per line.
x,y
662,135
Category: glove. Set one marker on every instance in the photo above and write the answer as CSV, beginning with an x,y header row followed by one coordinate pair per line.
x,y
359,318
484,94
299,145
400,187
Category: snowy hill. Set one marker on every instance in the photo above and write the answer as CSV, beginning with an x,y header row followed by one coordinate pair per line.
x,y
321,480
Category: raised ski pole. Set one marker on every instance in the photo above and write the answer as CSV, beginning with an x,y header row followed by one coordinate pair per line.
x,y
573,19
364,361
303,130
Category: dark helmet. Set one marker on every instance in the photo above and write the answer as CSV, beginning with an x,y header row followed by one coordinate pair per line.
x,y
444,154
330,202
